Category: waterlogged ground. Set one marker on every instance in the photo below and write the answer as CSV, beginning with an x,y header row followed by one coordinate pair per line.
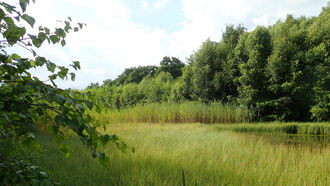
x,y
202,154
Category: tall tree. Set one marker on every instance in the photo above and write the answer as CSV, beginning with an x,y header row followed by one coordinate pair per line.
x,y
291,75
224,78
171,65
253,81
319,36
204,66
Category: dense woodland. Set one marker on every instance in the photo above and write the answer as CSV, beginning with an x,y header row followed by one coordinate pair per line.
x,y
280,72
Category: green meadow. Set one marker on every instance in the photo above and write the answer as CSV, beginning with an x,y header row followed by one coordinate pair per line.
x,y
194,154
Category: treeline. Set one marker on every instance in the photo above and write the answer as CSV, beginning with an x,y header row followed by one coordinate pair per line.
x,y
280,72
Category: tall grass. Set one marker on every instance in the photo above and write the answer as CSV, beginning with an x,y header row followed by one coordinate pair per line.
x,y
288,128
190,154
186,112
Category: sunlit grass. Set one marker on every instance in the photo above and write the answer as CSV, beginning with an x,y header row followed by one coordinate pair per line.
x,y
207,155
186,112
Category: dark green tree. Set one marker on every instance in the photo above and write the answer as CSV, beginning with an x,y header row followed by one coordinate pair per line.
x,y
182,88
171,65
204,65
319,37
253,80
291,74
224,78
135,75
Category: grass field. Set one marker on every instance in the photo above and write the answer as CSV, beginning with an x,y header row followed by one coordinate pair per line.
x,y
202,154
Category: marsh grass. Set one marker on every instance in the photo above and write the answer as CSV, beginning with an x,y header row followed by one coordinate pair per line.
x,y
313,142
318,129
195,154
169,112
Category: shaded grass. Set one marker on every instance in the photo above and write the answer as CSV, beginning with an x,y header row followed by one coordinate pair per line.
x,y
206,155
287,128
168,112
315,143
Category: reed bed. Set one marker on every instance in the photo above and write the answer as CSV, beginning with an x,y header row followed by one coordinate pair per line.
x,y
186,112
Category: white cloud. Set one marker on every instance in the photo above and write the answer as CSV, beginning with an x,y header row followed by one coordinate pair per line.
x,y
106,46
112,41
208,18
145,4
158,4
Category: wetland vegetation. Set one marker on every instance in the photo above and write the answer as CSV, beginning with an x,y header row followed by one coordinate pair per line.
x,y
250,109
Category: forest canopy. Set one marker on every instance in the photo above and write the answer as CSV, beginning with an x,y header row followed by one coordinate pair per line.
x,y
280,72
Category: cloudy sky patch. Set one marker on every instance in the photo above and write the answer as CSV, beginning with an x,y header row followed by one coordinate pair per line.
x,y
126,33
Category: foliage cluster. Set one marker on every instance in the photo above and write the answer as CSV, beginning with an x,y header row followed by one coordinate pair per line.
x,y
24,98
171,65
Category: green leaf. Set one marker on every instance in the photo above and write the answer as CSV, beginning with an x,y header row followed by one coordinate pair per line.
x,y
13,34
32,63
23,4
15,56
8,7
114,138
34,53
76,65
63,72
59,99
32,36
29,19
40,61
60,32
47,30
2,14
80,25
73,76
51,66
22,31
105,139
76,29
9,21
37,42
42,36
52,77
63,43
54,39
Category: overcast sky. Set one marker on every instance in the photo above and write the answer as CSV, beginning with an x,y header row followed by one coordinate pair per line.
x,y
127,33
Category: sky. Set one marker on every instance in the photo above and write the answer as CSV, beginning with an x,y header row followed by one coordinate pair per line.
x,y
128,33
